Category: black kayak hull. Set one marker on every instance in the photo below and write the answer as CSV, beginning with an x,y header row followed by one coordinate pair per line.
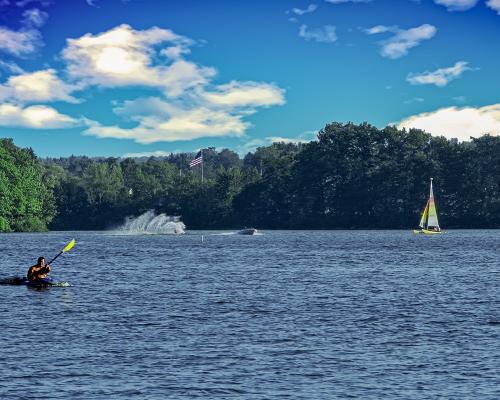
x,y
16,280
23,281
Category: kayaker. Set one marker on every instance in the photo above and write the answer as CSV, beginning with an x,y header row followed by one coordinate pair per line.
x,y
38,271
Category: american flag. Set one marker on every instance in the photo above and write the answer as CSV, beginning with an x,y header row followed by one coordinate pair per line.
x,y
197,160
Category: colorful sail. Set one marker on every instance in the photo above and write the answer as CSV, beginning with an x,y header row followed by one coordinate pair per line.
x,y
424,216
432,220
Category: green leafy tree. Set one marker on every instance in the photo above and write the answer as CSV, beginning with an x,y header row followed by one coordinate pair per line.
x,y
352,176
26,202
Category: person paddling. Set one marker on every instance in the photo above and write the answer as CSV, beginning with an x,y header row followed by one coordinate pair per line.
x,y
39,271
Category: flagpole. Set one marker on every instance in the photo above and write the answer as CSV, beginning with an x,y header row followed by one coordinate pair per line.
x,y
201,166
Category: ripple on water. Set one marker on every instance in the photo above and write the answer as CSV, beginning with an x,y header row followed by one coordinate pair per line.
x,y
312,315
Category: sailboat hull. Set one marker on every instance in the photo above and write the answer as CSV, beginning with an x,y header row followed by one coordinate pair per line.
x,y
427,232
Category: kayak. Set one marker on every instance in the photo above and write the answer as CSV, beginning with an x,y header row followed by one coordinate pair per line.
x,y
45,282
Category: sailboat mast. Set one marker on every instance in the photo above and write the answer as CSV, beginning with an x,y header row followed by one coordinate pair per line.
x,y
431,197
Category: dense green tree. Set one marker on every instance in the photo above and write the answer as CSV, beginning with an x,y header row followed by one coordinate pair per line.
x,y
26,202
352,176
267,202
103,183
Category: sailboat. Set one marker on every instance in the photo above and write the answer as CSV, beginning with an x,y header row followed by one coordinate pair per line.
x,y
429,224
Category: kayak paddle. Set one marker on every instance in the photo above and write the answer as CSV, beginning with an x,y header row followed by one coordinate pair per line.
x,y
68,247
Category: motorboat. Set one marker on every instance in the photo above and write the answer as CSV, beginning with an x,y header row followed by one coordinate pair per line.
x,y
247,231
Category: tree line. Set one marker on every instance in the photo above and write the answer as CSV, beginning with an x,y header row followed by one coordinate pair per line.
x,y
350,177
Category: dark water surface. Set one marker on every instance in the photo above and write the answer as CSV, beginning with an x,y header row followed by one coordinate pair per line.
x,y
284,315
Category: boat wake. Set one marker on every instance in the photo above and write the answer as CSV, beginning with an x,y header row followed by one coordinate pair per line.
x,y
150,223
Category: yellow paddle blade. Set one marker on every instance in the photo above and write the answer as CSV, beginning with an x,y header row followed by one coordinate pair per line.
x,y
69,246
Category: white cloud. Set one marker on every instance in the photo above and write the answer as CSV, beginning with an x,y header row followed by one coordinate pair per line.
x,y
123,57
189,106
36,117
158,120
245,94
298,11
398,45
457,5
326,34
494,5
460,123
34,18
28,38
39,86
210,114
18,43
441,77
181,124
157,153
136,110
381,29
215,113
175,52
183,75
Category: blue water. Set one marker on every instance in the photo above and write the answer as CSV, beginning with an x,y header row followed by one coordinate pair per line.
x,y
284,315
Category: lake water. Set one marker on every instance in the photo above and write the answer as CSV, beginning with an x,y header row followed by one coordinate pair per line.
x,y
282,315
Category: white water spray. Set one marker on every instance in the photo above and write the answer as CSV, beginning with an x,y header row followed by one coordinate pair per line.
x,y
150,223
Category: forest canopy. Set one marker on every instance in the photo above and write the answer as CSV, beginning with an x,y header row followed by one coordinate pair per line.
x,y
26,202
351,177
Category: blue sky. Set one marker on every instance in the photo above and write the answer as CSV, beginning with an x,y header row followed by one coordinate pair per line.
x,y
116,77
